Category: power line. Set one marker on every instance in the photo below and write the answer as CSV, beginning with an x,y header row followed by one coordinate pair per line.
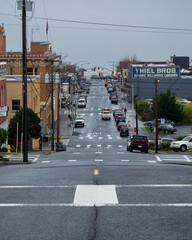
x,y
105,29
110,24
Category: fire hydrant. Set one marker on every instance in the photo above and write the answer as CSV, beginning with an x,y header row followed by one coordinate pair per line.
x,y
8,149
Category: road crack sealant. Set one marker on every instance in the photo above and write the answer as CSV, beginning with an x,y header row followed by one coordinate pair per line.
x,y
95,223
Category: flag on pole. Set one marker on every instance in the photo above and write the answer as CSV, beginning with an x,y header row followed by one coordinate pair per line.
x,y
47,28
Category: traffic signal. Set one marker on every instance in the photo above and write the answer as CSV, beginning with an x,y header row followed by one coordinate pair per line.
x,y
98,68
121,88
99,73
105,84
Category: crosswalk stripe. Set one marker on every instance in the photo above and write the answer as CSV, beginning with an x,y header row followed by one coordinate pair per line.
x,y
173,158
33,158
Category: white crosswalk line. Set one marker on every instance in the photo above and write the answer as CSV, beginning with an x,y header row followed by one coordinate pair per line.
x,y
173,158
33,158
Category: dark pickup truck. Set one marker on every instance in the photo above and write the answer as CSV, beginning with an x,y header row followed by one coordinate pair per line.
x,y
138,142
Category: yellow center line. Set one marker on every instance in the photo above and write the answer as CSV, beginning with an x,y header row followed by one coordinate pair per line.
x,y
96,172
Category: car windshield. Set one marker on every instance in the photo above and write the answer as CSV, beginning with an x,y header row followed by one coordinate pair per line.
x,y
139,137
186,139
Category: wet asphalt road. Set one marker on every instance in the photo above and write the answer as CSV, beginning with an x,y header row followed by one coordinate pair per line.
x,y
96,189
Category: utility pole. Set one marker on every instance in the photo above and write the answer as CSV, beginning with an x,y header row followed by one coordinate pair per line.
x,y
24,115
58,113
156,117
52,109
136,118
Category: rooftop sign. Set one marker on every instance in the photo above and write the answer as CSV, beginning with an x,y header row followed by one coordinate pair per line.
x,y
155,72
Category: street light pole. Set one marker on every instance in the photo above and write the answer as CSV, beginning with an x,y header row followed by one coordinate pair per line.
x,y
24,115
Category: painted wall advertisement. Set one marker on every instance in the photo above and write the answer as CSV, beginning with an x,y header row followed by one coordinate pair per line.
x,y
155,72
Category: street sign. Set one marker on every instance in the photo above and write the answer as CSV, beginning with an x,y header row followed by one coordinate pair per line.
x,y
3,111
155,72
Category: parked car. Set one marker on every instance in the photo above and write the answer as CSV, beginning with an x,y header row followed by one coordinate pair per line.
x,y
119,119
120,125
60,147
138,142
118,110
160,121
166,140
79,122
124,131
166,128
114,99
183,145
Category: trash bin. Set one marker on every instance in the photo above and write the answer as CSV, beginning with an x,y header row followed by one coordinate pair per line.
x,y
60,146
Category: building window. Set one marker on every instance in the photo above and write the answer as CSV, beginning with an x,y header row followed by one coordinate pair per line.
x,y
15,105
11,71
31,71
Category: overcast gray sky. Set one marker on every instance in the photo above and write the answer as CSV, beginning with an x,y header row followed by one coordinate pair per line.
x,y
103,44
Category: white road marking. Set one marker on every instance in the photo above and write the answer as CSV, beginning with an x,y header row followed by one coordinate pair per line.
x,y
117,186
153,185
158,158
36,186
120,153
80,137
90,137
98,145
45,161
72,160
95,194
93,204
151,161
98,160
109,146
98,152
155,205
183,158
76,153
33,158
120,146
78,146
123,160
88,146
110,138
100,137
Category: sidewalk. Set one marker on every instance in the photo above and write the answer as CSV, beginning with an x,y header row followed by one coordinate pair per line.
x,y
131,115
66,126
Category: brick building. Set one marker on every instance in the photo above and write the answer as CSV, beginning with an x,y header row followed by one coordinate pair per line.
x,y
15,98
40,61
3,96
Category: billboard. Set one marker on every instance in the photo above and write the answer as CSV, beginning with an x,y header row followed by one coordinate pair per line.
x,y
155,72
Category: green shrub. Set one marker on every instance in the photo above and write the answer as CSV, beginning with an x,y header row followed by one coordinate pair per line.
x,y
152,146
180,138
164,146
142,107
147,116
